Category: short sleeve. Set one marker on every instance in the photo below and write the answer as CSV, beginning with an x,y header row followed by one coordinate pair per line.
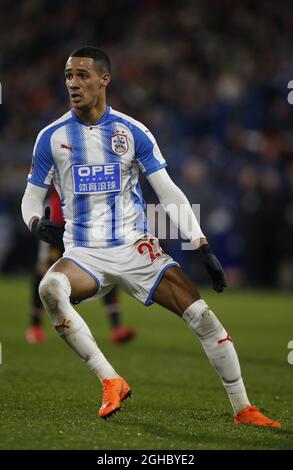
x,y
42,167
147,152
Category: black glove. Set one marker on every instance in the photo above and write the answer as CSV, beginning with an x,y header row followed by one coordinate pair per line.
x,y
49,232
213,267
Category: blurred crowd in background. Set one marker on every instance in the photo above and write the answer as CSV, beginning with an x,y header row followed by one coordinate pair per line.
x,y
209,78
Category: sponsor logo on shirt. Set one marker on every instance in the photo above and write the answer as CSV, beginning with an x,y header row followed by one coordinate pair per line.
x,y
93,179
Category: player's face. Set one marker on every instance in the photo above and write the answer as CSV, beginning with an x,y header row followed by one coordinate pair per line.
x,y
84,82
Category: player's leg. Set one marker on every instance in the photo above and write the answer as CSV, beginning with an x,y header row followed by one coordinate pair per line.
x,y
176,292
67,281
35,332
37,306
120,334
47,256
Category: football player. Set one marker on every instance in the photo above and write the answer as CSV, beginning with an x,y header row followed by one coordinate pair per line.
x,y
93,154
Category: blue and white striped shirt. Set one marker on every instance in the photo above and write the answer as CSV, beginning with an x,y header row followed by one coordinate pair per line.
x,y
95,171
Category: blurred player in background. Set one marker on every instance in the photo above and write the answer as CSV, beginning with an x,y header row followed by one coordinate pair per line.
x,y
48,254
93,153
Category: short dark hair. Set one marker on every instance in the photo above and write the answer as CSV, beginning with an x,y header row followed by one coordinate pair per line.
x,y
100,57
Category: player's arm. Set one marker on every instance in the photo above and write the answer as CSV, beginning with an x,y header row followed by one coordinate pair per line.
x,y
32,204
177,206
152,165
32,212
39,179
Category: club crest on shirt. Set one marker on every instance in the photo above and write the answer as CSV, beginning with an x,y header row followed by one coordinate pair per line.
x,y
119,144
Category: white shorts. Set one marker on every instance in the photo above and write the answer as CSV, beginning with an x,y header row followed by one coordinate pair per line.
x,y
136,267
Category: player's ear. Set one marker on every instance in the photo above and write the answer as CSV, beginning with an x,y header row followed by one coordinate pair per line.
x,y
106,79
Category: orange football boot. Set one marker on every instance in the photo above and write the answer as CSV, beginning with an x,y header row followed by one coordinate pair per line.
x,y
251,416
114,391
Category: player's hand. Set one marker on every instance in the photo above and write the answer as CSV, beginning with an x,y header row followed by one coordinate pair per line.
x,y
49,232
213,267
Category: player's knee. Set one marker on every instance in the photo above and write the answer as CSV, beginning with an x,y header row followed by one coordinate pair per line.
x,y
53,289
204,321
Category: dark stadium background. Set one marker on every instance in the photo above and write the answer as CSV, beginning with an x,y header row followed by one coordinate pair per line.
x,y
209,79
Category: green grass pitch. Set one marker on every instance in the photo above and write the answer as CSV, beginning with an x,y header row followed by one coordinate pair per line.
x,y
49,398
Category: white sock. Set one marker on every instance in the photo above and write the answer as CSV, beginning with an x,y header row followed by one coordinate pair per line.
x,y
55,291
219,348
